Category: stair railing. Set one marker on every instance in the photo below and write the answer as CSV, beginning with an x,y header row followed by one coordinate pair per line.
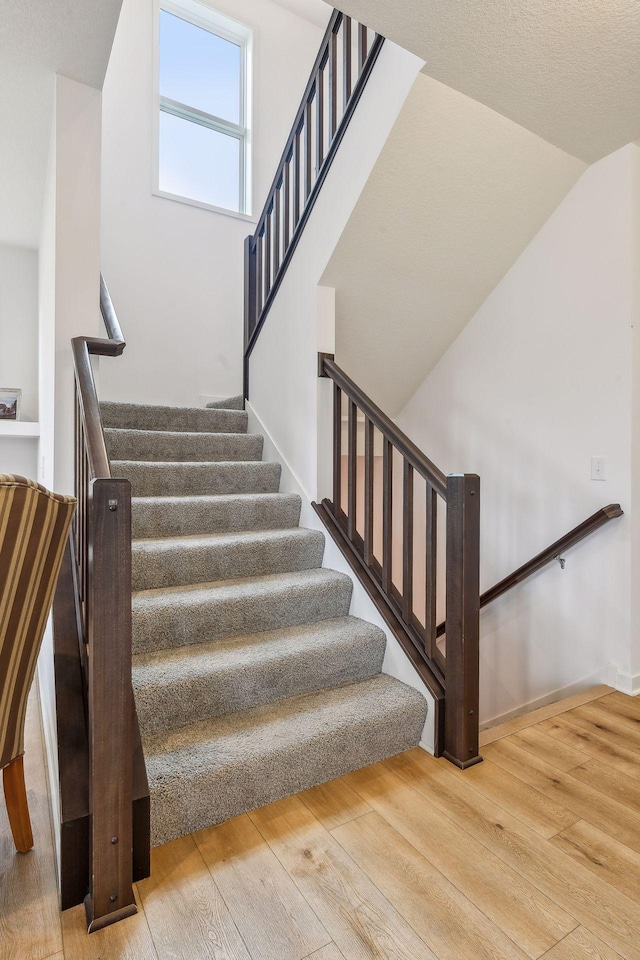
x,y
553,552
344,63
102,548
375,526
363,519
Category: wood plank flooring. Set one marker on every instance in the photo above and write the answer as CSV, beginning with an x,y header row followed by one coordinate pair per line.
x,y
535,853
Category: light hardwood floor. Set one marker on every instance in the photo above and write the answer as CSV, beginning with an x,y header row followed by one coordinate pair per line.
x,y
533,853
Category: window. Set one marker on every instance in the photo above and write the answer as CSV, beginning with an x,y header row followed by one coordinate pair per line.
x,y
203,137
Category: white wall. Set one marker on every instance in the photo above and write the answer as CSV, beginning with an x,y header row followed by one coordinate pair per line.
x,y
19,353
69,270
175,271
537,383
19,455
455,196
19,325
68,307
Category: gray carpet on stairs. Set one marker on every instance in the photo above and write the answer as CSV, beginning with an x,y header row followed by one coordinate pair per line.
x,y
251,679
183,685
231,403
150,479
210,771
135,416
175,445
181,516
184,615
178,561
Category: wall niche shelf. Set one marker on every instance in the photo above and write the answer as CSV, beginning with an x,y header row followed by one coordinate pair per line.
x,y
19,428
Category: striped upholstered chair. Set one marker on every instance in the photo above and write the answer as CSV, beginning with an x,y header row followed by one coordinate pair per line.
x,y
34,525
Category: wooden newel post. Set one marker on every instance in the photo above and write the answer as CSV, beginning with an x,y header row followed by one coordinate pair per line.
x,y
110,704
462,620
250,302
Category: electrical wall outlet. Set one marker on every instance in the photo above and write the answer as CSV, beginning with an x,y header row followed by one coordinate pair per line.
x,y
598,466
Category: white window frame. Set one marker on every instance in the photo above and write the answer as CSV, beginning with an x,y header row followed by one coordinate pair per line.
x,y
203,16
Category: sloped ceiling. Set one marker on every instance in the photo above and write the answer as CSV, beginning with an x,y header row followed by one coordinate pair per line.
x,y
569,71
39,38
456,195
317,11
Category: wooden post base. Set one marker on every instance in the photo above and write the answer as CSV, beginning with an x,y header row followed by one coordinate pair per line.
x,y
15,794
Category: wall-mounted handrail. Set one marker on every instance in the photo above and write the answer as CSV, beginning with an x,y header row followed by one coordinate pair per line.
x,y
552,552
584,529
353,519
342,67
102,550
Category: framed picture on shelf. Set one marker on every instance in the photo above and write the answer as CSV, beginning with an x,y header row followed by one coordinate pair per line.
x,y
10,403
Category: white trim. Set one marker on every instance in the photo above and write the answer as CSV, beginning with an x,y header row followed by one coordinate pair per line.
x,y
628,683
19,428
49,737
203,16
579,687
208,120
294,481
204,206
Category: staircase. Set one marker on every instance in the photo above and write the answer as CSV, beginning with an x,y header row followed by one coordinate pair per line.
x,y
251,680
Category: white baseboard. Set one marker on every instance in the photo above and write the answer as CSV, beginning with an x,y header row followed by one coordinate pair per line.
x,y
628,683
290,482
47,710
602,676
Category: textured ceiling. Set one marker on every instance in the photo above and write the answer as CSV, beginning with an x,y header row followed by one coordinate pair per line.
x,y
39,38
455,196
569,71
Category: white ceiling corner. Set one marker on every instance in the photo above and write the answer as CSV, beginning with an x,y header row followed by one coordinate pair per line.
x,y
316,11
38,39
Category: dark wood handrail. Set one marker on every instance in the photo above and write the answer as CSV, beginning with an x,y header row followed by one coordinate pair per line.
x,y
451,675
102,551
552,552
334,20
584,529
329,368
309,151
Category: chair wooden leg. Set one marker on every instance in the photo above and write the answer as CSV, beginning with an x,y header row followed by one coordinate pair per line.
x,y
15,794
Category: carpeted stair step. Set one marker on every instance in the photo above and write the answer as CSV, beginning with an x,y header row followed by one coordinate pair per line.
x,y
164,445
182,516
150,479
178,687
230,403
212,611
207,772
137,416
178,561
